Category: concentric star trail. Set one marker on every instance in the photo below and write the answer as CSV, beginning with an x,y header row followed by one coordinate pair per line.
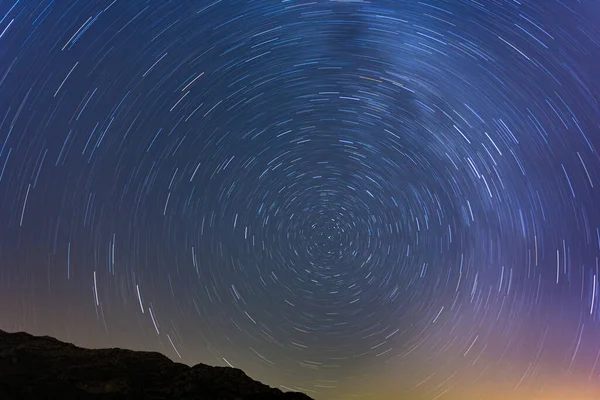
x,y
355,199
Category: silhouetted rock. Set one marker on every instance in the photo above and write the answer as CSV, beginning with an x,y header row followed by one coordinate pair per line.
x,y
41,367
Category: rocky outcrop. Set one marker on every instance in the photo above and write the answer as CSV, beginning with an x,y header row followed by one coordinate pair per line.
x,y
41,367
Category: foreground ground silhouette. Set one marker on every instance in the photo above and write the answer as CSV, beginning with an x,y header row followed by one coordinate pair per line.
x,y
41,367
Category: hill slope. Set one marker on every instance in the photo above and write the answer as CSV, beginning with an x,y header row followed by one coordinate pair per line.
x,y
41,367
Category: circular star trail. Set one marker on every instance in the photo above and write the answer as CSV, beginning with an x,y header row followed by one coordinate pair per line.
x,y
348,198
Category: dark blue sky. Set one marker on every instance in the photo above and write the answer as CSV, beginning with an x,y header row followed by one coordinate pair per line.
x,y
353,199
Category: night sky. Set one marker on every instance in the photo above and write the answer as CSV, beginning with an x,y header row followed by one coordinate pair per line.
x,y
376,200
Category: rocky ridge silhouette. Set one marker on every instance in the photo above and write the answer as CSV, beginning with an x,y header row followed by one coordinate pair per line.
x,y
42,367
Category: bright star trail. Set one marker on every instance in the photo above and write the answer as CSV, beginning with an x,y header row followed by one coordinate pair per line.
x,y
359,200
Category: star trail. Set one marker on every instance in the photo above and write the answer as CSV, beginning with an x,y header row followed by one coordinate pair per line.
x,y
354,199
